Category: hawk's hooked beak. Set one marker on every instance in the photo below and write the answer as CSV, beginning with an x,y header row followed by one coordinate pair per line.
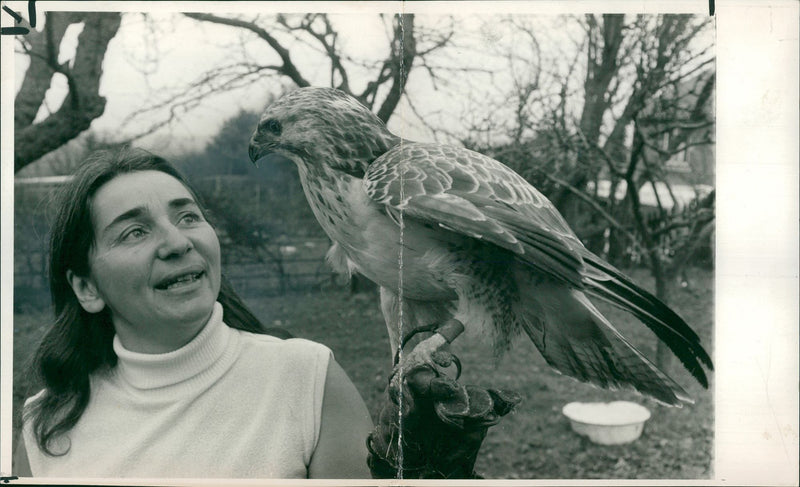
x,y
265,151
255,152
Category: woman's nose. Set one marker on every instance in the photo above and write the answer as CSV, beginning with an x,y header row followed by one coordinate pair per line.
x,y
173,243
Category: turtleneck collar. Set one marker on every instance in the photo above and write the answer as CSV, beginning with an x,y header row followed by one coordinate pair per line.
x,y
152,371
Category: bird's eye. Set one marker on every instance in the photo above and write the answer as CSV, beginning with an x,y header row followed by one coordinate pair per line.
x,y
271,125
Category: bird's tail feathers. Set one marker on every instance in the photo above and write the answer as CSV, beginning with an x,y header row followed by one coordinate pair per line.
x,y
584,345
607,283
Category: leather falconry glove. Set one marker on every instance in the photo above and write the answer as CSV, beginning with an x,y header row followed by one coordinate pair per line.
x,y
443,426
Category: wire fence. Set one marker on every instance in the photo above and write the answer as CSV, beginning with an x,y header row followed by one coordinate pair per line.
x,y
296,263
296,274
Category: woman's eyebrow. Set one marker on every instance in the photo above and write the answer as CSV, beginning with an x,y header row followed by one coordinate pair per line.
x,y
181,202
128,215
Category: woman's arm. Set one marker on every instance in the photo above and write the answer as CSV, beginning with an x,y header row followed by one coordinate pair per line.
x,y
22,467
342,447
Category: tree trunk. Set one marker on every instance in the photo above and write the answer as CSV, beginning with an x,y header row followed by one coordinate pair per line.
x,y
37,77
663,354
602,67
404,50
83,103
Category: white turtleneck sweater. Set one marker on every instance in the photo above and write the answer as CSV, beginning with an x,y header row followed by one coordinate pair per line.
x,y
229,404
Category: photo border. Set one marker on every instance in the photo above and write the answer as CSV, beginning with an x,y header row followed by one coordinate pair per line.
x,y
756,288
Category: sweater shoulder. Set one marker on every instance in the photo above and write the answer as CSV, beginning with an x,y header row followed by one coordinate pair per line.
x,y
271,340
289,349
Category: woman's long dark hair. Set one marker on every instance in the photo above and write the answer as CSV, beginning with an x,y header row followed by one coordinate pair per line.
x,y
80,343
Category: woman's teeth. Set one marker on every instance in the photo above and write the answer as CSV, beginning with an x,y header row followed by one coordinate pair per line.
x,y
183,280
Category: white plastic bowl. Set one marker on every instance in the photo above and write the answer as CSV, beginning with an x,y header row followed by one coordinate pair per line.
x,y
607,423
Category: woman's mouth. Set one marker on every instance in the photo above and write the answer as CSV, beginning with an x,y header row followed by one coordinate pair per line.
x,y
179,281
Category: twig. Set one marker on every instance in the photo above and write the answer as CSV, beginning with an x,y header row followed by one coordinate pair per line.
x,y
593,204
288,68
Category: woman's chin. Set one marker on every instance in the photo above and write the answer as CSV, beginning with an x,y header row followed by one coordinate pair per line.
x,y
189,303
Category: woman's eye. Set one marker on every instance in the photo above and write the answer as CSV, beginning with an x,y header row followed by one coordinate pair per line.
x,y
133,234
191,217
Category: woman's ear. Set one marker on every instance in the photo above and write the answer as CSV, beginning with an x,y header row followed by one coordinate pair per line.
x,y
86,292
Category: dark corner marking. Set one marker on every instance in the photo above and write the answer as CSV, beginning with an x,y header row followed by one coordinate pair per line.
x,y
6,480
19,30
17,19
711,8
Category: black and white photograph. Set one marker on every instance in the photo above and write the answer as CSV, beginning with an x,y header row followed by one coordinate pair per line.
x,y
377,242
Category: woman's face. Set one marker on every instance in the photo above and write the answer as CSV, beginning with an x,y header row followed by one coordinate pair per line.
x,y
155,263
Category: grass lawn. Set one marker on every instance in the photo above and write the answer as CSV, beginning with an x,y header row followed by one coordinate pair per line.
x,y
533,442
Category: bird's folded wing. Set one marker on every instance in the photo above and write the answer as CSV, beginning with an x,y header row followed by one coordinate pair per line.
x,y
474,195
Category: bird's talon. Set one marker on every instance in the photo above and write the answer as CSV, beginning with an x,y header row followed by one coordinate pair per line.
x,y
445,359
458,366
442,358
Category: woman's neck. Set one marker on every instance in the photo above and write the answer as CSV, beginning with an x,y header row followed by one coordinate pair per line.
x,y
156,340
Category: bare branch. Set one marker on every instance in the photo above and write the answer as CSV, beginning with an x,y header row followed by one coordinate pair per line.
x,y
288,67
196,93
593,204
216,80
327,39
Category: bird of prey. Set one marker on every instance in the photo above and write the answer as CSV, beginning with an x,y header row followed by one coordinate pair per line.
x,y
455,238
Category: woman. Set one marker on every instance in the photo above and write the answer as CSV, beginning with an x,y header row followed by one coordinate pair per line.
x,y
154,368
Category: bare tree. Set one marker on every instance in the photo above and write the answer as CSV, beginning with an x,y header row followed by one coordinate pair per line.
x,y
659,107
280,37
627,66
645,99
682,120
83,102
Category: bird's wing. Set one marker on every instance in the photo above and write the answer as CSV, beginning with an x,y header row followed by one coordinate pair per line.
x,y
469,193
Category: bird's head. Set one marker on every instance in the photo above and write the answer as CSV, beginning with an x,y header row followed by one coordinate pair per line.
x,y
321,126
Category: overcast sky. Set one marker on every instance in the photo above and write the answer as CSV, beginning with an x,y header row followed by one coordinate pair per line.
x,y
152,56
148,57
